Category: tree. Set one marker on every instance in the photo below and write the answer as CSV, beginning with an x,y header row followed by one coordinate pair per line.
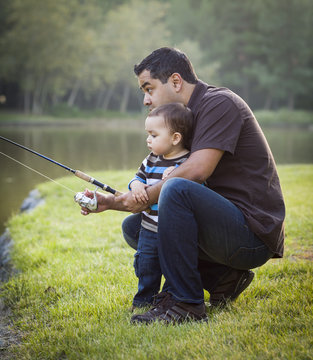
x,y
225,34
46,45
263,47
134,38
66,51
286,29
205,71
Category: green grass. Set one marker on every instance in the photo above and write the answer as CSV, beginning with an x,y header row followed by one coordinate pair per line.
x,y
71,297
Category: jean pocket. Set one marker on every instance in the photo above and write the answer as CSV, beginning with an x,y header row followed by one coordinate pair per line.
x,y
248,258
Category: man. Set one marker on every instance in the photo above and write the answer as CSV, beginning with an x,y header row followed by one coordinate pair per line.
x,y
209,236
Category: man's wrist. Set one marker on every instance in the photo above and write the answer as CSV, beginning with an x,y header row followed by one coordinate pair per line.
x,y
154,192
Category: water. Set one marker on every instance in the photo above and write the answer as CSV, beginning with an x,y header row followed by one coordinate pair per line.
x,y
98,148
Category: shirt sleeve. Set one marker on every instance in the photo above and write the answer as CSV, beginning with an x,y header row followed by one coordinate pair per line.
x,y
218,124
140,175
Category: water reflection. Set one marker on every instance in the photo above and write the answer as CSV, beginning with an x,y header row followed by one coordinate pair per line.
x,y
92,149
290,146
86,149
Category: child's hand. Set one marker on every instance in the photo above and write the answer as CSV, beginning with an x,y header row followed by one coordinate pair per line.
x,y
139,193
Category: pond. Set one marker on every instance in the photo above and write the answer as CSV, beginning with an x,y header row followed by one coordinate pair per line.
x,y
100,148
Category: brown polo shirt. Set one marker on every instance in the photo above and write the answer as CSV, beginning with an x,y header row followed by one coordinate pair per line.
x,y
246,175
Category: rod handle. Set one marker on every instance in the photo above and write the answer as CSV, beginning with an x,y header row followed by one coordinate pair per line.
x,y
82,175
105,187
118,193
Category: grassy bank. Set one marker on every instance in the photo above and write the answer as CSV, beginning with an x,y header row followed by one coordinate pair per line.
x,y
281,117
72,295
74,118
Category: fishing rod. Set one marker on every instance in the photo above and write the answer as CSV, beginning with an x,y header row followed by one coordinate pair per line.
x,y
91,204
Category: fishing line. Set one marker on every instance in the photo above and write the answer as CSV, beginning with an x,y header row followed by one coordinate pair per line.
x,y
77,173
39,173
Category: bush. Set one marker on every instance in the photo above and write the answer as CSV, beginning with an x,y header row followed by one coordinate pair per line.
x,y
284,117
63,110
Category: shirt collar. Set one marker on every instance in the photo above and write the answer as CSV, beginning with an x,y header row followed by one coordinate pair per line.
x,y
197,94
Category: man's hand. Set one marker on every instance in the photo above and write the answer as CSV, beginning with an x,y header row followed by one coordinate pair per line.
x,y
123,202
168,171
105,202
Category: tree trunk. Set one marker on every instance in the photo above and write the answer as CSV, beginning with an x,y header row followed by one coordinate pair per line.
x,y
107,98
36,109
74,93
27,101
246,90
268,102
141,105
100,97
43,95
291,101
27,95
54,99
36,106
125,98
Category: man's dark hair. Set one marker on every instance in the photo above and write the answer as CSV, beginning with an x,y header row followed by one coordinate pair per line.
x,y
163,62
178,118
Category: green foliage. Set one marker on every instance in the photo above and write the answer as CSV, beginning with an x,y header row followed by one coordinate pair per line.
x,y
285,28
83,52
262,47
205,71
57,48
284,117
72,295
64,112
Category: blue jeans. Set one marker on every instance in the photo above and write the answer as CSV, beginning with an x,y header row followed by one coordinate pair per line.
x,y
201,237
147,268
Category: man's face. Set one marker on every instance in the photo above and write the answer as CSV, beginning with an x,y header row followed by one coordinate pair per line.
x,y
155,92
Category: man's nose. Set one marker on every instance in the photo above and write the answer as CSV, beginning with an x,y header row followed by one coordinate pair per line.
x,y
146,100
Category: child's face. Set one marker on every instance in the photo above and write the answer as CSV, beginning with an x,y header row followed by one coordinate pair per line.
x,y
160,140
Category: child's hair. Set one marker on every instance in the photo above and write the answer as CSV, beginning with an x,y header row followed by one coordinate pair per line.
x,y
177,118
164,62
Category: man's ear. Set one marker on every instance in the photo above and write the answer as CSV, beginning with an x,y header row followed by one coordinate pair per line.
x,y
177,81
177,138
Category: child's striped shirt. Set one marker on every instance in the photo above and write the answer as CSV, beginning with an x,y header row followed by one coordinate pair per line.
x,y
150,172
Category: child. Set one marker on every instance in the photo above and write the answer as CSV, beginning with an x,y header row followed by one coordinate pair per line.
x,y
169,129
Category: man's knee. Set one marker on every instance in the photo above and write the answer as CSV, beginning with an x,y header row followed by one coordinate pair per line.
x,y
171,188
130,228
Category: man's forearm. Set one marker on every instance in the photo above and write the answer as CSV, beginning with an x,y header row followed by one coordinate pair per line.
x,y
154,192
126,202
197,168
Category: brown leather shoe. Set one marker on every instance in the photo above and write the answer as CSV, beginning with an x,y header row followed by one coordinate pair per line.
x,y
169,311
233,283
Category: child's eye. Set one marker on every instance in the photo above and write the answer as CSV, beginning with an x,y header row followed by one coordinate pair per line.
x,y
149,91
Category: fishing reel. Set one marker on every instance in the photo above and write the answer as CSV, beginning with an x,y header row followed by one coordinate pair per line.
x,y
87,202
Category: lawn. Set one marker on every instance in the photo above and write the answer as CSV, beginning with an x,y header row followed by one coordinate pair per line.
x,y
72,295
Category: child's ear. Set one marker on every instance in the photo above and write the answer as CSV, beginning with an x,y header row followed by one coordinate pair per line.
x,y
177,138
